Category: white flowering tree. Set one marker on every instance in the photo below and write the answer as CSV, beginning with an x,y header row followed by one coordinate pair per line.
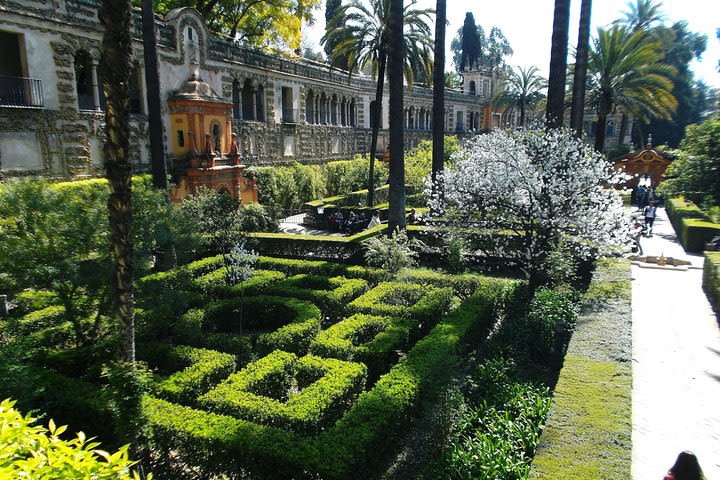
x,y
534,190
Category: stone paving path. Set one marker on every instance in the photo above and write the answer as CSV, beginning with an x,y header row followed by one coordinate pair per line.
x,y
676,363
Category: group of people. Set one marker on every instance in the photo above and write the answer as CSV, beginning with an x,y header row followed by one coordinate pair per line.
x,y
353,223
645,195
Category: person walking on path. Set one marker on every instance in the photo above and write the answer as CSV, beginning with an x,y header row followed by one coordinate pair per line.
x,y
650,213
638,229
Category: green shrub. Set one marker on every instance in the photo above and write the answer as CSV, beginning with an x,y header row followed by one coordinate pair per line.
x,y
695,233
532,332
262,391
30,300
295,323
372,340
330,294
392,253
256,218
425,305
711,278
199,370
51,316
45,453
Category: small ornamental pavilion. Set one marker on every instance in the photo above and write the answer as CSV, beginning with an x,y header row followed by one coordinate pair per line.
x,y
648,163
201,130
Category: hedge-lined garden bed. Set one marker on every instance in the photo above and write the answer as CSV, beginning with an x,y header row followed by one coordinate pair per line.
x,y
589,427
693,226
711,278
218,443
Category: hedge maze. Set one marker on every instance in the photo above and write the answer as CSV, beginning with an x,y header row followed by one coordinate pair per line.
x,y
303,371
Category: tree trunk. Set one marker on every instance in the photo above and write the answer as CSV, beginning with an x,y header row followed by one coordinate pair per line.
x,y
438,152
603,110
522,112
376,128
558,65
577,109
397,142
115,77
152,79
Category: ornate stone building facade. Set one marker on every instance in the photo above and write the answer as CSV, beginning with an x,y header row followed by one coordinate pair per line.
x,y
283,110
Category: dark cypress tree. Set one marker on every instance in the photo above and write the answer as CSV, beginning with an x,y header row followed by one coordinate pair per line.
x,y
471,44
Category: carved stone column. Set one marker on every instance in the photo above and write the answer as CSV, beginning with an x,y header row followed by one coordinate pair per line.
x,y
95,84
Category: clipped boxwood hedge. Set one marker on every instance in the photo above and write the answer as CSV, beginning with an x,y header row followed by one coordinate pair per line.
x,y
222,444
711,278
261,392
199,370
330,294
423,304
679,208
216,285
695,233
295,324
318,246
320,267
369,339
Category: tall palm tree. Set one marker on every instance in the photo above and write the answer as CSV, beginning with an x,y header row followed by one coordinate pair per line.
x,y
396,214
115,78
577,108
438,118
520,89
555,109
361,33
626,72
642,15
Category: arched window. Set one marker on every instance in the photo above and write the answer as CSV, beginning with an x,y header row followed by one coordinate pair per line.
x,y
334,110
310,107
260,103
216,137
323,108
472,87
343,111
237,100
248,101
353,120
84,81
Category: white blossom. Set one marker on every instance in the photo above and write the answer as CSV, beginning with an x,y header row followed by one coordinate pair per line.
x,y
538,187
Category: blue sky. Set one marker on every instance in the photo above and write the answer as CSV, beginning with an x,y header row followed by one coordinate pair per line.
x,y
528,26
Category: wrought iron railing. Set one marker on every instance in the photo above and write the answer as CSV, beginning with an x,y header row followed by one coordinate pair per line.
x,y
21,92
